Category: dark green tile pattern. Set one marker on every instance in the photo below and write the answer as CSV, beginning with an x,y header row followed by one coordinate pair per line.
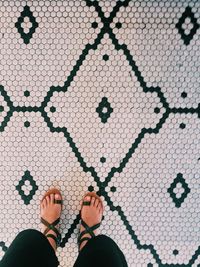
x,y
27,177
187,14
26,13
178,179
104,104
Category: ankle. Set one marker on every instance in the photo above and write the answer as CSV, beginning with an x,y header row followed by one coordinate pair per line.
x,y
52,243
83,245
51,240
85,241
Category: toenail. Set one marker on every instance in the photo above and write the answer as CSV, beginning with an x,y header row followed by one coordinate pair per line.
x,y
87,198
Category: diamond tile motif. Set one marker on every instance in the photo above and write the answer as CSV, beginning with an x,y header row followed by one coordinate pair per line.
x,y
187,34
26,14
178,199
104,109
5,105
22,183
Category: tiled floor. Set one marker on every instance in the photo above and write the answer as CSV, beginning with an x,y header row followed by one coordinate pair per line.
x,y
104,96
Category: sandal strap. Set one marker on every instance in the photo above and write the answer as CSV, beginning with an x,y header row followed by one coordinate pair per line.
x,y
57,240
51,226
82,240
88,230
86,203
58,201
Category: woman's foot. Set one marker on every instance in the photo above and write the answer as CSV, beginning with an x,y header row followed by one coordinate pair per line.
x,y
91,215
50,211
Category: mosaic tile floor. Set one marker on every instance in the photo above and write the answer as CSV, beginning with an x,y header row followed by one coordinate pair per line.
x,y
104,96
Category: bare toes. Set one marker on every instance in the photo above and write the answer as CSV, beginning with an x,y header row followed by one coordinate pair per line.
x,y
47,200
51,198
99,204
44,202
93,201
85,199
96,203
42,205
57,196
99,207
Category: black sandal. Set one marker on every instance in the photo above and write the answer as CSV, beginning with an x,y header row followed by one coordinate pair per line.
x,y
88,229
51,226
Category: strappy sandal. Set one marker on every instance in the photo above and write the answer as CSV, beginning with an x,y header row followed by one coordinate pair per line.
x,y
88,229
51,226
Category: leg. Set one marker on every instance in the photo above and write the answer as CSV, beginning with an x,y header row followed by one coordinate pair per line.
x,y
96,250
50,212
101,251
30,248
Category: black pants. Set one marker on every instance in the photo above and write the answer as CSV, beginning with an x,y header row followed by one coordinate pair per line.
x,y
31,248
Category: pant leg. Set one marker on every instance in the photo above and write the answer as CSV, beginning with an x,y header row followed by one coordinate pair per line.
x,y
101,251
30,248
